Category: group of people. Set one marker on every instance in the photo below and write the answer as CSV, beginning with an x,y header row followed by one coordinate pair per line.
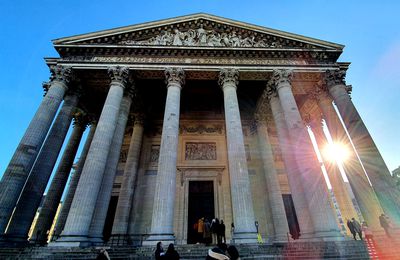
x,y
221,252
355,227
210,232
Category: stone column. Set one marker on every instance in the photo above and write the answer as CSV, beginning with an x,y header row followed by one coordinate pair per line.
x,y
164,197
125,199
295,183
66,205
104,197
53,196
76,228
24,156
316,191
280,224
35,186
242,204
364,194
340,192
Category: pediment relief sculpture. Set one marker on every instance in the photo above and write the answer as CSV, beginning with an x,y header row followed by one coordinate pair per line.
x,y
202,37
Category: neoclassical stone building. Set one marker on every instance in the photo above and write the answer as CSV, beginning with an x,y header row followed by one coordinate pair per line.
x,y
190,117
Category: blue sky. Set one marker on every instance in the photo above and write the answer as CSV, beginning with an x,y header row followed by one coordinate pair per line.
x,y
369,29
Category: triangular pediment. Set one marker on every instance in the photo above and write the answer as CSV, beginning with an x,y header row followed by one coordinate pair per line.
x,y
198,31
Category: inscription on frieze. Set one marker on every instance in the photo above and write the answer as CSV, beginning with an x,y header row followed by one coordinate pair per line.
x,y
200,151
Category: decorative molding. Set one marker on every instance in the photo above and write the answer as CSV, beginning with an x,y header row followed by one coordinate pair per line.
x,y
61,73
174,75
200,151
228,76
201,129
119,74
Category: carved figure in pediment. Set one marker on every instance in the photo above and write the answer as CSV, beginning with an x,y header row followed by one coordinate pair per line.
x,y
202,36
189,38
178,37
214,39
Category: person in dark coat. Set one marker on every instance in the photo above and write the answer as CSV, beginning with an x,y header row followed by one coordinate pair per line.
x,y
233,253
351,228
357,227
159,251
222,231
214,230
217,253
171,253
383,220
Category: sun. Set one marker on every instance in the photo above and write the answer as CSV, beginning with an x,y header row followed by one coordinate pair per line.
x,y
336,152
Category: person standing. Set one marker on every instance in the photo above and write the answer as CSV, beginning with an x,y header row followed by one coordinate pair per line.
x,y
357,227
207,232
214,230
159,251
222,231
200,230
385,224
351,228
171,253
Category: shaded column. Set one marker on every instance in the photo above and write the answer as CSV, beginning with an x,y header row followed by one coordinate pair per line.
x,y
280,223
24,156
76,228
164,198
35,186
56,189
125,198
104,197
295,183
66,204
242,204
365,196
315,188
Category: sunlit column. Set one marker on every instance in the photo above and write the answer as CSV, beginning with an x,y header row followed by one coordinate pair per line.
x,y
315,188
164,198
24,156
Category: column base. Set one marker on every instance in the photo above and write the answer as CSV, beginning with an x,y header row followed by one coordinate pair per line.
x,y
244,238
153,239
71,241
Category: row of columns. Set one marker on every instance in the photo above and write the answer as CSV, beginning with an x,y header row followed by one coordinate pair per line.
x,y
83,214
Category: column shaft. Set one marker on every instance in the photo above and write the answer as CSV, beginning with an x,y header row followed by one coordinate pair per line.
x,y
242,204
24,156
315,188
104,197
281,226
53,196
66,205
164,197
125,199
295,183
76,228
38,178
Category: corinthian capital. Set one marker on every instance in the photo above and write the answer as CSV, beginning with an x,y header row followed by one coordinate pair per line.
x,y
335,77
282,76
174,75
119,74
61,73
228,76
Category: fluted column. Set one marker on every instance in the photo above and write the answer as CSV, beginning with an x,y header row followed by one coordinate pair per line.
x,y
280,223
242,204
35,186
56,189
24,156
364,194
315,188
76,228
125,199
104,197
295,183
164,198
342,196
66,204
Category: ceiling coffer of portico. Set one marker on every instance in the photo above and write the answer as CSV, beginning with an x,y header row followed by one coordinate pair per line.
x,y
202,31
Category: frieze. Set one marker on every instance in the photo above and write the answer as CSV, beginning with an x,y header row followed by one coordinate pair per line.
x,y
200,151
233,61
202,37
201,129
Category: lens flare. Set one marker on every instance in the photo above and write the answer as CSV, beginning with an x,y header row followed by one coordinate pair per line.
x,y
336,152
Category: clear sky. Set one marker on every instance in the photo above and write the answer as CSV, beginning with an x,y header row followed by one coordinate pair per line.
x,y
369,29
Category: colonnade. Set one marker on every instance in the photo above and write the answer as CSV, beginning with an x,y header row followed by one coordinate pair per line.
x,y
84,210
